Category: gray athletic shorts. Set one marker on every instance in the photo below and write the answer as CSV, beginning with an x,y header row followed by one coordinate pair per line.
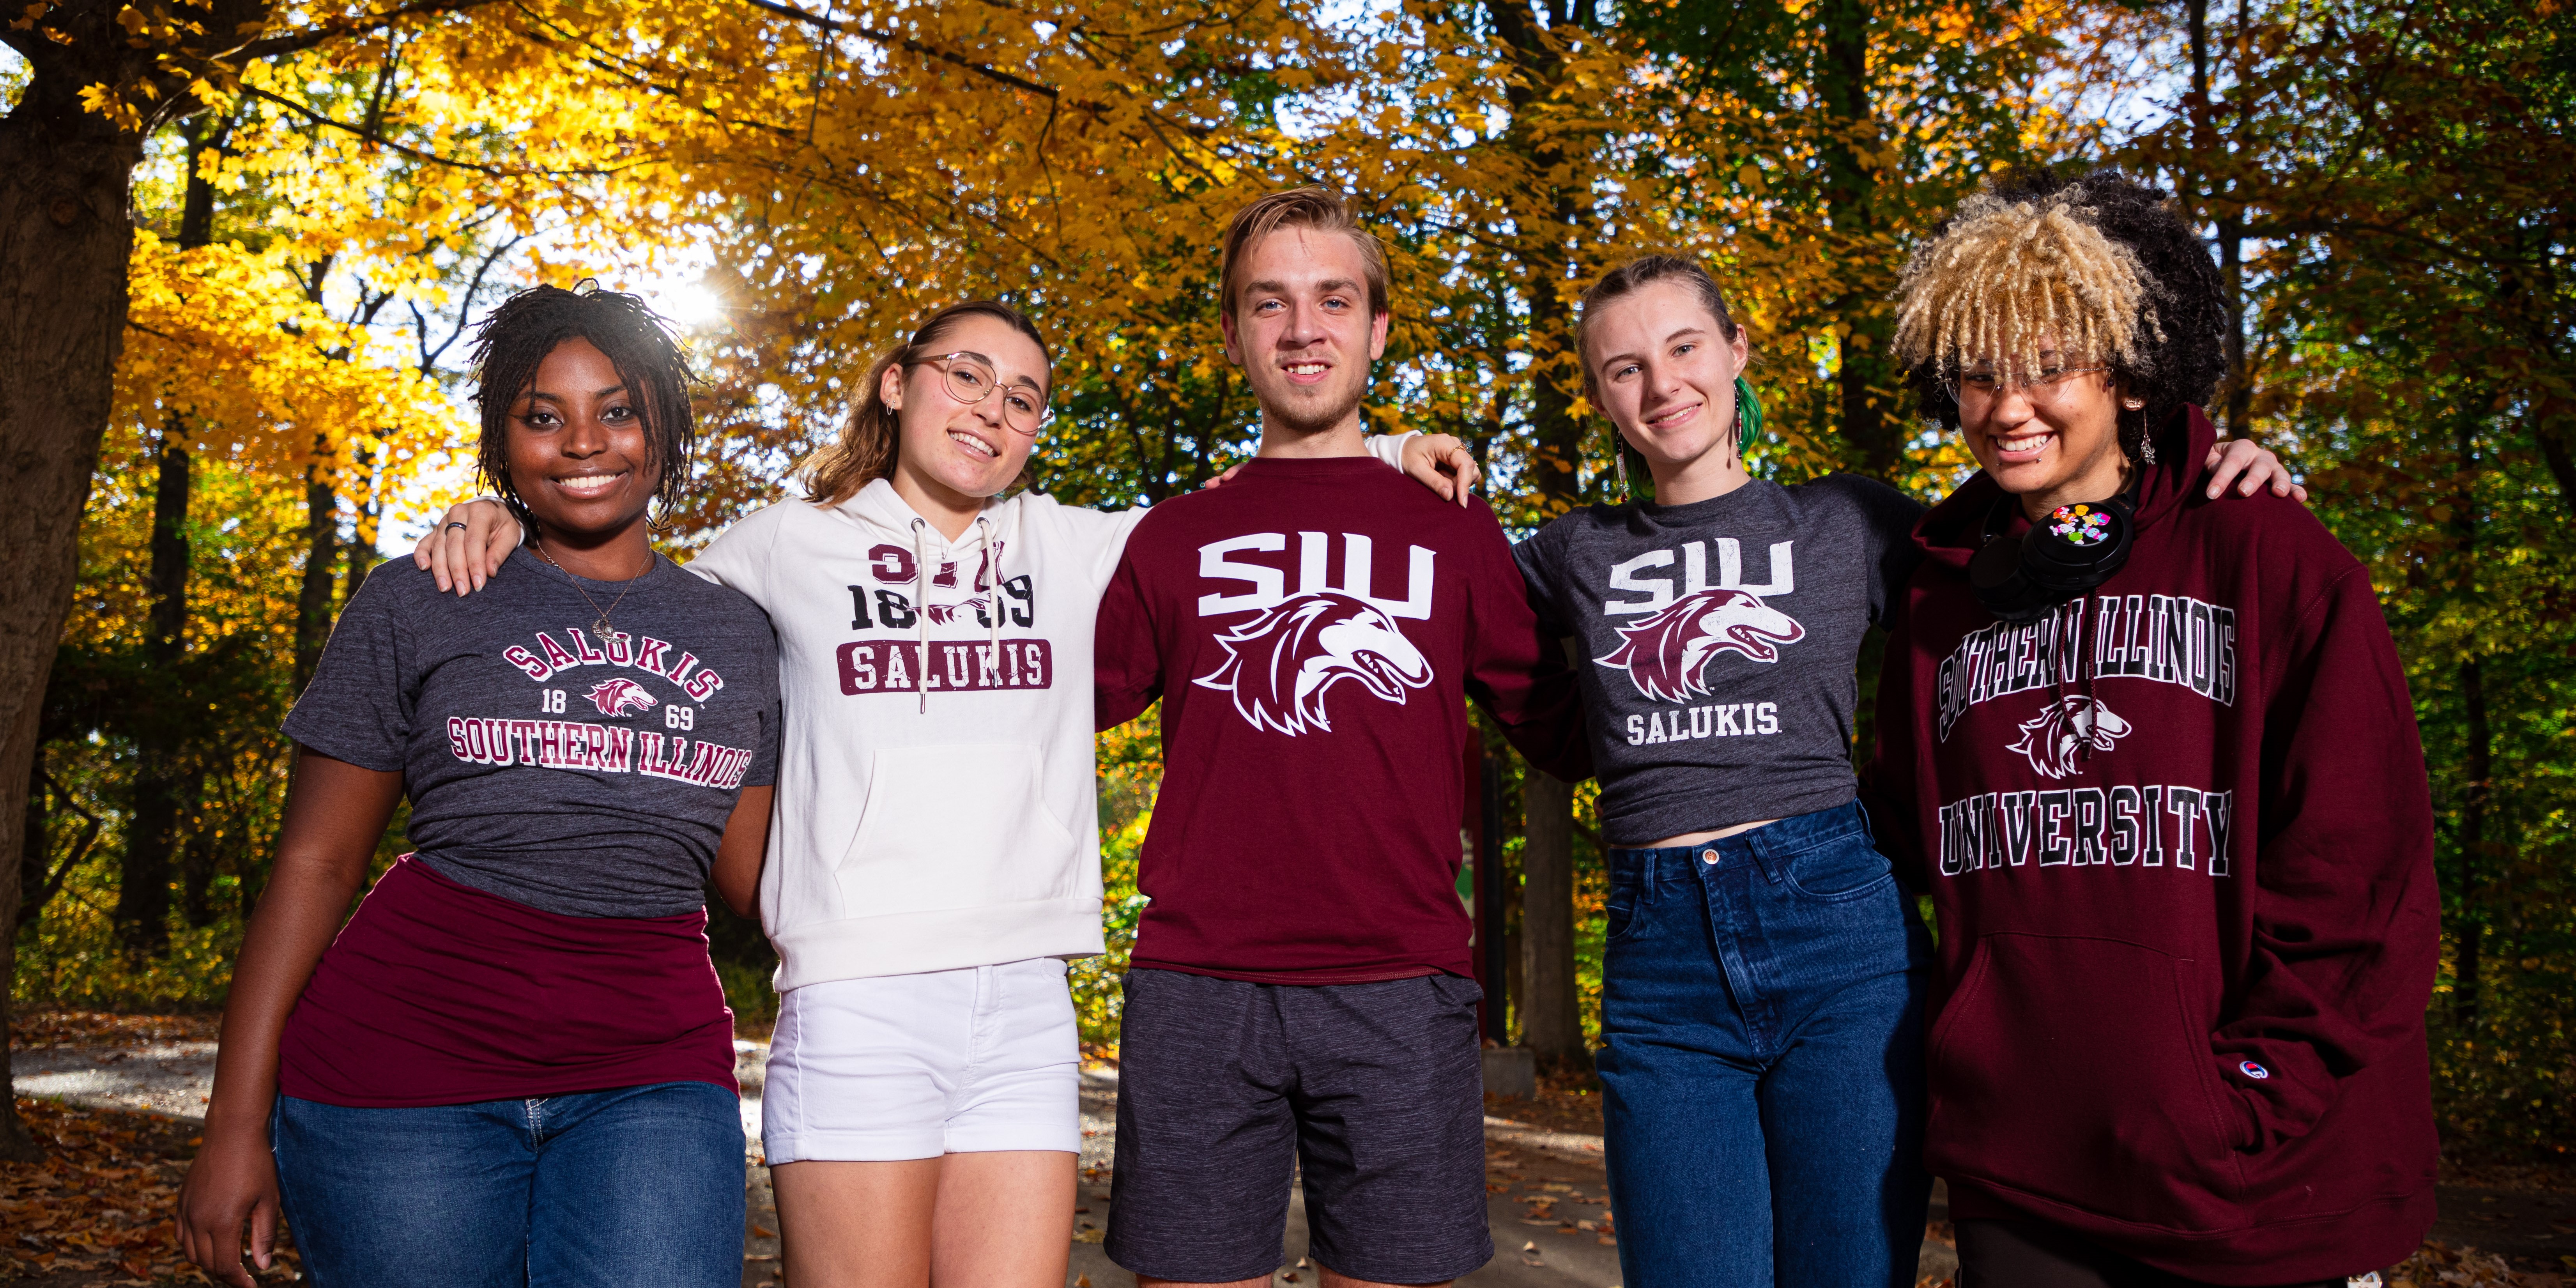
x,y
1226,1089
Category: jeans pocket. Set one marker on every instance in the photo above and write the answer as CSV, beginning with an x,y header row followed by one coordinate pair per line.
x,y
1628,910
1847,867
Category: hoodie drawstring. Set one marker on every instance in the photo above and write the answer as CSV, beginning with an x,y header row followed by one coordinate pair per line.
x,y
992,588
921,602
2084,667
921,612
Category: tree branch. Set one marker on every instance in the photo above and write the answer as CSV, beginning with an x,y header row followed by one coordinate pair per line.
x,y
294,42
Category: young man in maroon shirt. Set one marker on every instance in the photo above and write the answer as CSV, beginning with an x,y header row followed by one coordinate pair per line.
x,y
2159,766
1301,990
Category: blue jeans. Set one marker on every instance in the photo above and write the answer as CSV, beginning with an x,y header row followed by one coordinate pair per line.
x,y
1762,1009
639,1187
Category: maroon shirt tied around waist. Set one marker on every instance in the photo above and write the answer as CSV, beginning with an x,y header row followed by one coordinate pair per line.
x,y
439,994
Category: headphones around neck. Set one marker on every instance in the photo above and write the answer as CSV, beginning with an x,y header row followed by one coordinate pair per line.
x,y
2076,548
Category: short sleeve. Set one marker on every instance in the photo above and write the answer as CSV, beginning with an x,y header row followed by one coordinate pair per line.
x,y
1540,565
1126,657
1888,518
360,706
764,758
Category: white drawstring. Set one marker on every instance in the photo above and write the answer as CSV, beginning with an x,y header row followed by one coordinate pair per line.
x,y
993,605
992,574
921,612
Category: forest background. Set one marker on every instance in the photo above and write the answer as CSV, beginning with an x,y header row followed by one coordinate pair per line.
x,y
242,245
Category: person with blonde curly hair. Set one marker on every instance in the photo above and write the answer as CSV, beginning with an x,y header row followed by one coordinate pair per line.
x,y
2155,762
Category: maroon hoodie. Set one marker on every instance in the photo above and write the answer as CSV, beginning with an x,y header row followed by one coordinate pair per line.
x,y
2181,846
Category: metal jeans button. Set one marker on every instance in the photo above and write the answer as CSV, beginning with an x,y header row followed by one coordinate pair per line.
x,y
1708,856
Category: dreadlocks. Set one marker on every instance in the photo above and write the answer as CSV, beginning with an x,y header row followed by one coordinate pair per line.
x,y
2100,265
515,339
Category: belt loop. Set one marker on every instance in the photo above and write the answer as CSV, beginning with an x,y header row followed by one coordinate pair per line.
x,y
1758,843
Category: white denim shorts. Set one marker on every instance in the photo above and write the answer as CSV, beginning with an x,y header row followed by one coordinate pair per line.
x,y
915,1066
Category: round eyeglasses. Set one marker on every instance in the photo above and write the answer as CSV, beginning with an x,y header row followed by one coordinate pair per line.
x,y
971,379
2043,385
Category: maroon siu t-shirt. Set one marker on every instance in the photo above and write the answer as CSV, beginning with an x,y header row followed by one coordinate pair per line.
x,y
1313,630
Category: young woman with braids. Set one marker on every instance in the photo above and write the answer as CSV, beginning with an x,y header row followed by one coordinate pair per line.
x,y
2155,761
936,856
1763,976
513,1064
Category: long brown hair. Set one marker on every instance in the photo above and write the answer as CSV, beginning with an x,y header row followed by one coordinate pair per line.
x,y
872,436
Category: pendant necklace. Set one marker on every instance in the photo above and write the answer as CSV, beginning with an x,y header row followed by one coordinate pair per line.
x,y
600,624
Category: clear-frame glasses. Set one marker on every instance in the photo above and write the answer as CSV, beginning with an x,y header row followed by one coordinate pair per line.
x,y
971,379
2043,385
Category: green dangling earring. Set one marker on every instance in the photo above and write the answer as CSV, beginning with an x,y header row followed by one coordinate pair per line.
x,y
1748,416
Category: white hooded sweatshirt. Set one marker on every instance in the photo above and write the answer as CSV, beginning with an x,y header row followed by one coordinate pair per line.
x,y
942,817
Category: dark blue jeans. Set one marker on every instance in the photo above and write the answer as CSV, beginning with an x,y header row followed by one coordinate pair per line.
x,y
1762,1009
639,1187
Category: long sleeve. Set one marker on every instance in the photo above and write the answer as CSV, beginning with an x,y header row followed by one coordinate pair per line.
x,y
1389,448
2345,934
1127,663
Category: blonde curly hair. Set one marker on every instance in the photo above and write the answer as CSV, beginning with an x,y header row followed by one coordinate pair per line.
x,y
2103,266
2008,275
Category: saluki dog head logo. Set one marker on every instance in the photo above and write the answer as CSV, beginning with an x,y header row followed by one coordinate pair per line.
x,y
2063,729
619,696
1668,652
1280,663
944,614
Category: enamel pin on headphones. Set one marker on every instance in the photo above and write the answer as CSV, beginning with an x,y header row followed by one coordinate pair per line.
x,y
2072,550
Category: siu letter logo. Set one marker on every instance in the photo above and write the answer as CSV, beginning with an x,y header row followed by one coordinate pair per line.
x,y
1280,663
2053,738
619,696
1668,653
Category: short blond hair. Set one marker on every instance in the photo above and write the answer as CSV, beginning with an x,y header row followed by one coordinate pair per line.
x,y
1300,208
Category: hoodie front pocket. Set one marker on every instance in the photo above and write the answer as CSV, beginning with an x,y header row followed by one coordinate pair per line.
x,y
955,827
2077,1070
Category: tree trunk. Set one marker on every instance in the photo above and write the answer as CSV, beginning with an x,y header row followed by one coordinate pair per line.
x,y
161,774
1867,376
2467,964
313,600
1551,1021
65,237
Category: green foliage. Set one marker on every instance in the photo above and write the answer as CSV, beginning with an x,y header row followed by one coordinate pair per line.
x,y
70,956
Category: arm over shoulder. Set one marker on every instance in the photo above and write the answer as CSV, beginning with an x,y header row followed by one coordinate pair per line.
x,y
1887,518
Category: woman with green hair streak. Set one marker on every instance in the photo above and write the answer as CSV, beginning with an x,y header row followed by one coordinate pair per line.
x,y
1762,983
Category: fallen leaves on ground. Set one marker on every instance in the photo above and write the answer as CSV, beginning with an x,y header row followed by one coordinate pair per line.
x,y
98,1210
2435,1265
45,1030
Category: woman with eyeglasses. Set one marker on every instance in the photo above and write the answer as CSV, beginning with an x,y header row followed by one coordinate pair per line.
x,y
935,859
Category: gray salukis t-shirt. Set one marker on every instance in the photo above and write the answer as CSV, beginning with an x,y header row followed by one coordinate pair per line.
x,y
581,772
1719,641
